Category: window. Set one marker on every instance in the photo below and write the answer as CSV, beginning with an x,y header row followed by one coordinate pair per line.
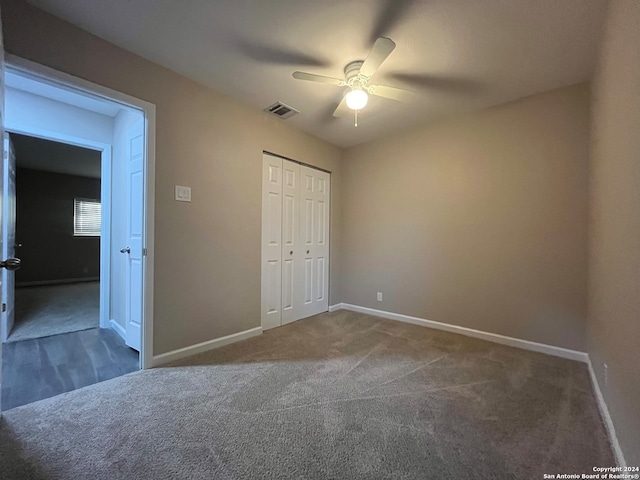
x,y
87,217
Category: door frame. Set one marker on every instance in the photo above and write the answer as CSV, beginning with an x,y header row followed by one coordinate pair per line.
x,y
105,199
7,147
79,85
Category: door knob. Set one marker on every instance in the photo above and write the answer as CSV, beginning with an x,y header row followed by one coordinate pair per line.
x,y
125,250
17,245
10,263
307,252
291,252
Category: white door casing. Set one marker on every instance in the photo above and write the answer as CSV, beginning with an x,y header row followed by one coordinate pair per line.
x,y
39,72
8,235
271,313
135,241
295,241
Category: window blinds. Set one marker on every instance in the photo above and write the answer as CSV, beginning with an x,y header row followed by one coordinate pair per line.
x,y
87,217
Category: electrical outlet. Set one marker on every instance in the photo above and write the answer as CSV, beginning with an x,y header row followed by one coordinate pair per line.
x,y
379,296
606,375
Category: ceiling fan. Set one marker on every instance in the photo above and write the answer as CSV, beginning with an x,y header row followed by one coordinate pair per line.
x,y
356,78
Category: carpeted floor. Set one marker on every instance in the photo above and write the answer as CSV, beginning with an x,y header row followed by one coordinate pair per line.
x,y
43,367
340,395
54,309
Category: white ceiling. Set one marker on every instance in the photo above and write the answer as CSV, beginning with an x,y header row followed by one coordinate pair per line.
x,y
459,55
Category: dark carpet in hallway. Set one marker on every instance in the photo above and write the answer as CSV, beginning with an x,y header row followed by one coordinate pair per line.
x,y
337,396
44,367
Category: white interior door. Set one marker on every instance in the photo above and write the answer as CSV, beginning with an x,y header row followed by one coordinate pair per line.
x,y
8,236
295,241
135,244
314,239
271,308
292,253
1,170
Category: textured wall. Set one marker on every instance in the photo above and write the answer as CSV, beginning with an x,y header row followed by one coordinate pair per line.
x,y
614,224
480,221
44,227
207,253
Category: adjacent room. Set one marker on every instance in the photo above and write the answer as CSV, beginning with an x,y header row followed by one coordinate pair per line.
x,y
58,237
55,309
377,239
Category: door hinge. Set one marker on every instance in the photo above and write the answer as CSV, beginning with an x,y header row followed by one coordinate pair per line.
x,y
144,252
4,307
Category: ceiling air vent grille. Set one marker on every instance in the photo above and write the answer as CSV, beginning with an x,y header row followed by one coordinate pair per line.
x,y
281,110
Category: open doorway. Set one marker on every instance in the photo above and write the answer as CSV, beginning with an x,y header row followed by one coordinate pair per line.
x,y
57,238
80,196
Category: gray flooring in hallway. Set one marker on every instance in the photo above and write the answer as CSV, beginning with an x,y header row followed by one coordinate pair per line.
x,y
40,368
338,396
53,309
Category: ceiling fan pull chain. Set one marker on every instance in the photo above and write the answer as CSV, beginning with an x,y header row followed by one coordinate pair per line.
x,y
356,117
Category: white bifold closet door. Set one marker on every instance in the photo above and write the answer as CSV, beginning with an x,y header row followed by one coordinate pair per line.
x,y
295,241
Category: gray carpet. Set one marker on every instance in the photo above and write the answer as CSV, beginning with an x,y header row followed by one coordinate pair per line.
x,y
54,309
340,395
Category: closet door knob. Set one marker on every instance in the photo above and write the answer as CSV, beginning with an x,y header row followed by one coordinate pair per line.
x,y
291,252
307,252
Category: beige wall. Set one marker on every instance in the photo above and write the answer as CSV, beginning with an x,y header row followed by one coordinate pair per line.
x,y
207,253
480,221
614,224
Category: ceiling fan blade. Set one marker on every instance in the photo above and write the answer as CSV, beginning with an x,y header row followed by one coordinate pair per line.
x,y
342,108
444,84
280,56
394,93
317,78
390,15
379,53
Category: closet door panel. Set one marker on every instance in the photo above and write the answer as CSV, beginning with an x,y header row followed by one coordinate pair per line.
x,y
293,265
295,241
315,221
271,295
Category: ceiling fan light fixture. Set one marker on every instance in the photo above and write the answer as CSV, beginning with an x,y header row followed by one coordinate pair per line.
x,y
357,99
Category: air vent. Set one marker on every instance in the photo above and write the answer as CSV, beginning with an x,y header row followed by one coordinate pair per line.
x,y
281,110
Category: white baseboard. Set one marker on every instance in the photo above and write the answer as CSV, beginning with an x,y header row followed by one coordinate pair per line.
x,y
63,281
512,342
204,346
606,418
337,306
469,332
119,329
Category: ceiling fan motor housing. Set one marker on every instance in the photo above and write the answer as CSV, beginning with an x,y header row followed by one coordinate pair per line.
x,y
352,74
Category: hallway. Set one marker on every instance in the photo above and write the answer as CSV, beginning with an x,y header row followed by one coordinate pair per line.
x,y
43,367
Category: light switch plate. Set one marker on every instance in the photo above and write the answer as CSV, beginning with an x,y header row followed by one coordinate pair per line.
x,y
183,194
